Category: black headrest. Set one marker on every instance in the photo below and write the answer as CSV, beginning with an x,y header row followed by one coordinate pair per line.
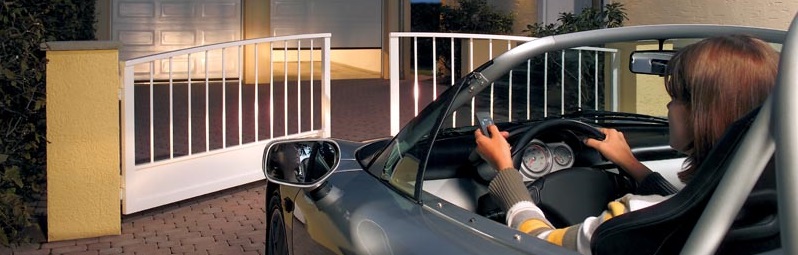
x,y
663,228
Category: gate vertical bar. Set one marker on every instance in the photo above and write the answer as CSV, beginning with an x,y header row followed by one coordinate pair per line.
x,y
152,112
171,113
299,86
224,101
579,83
595,81
616,67
188,72
562,83
312,98
471,68
490,57
394,73
271,90
240,95
451,52
256,107
434,71
528,89
207,107
415,76
325,79
546,84
285,87
128,129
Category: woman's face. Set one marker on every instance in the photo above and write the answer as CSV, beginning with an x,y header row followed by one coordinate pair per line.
x,y
680,126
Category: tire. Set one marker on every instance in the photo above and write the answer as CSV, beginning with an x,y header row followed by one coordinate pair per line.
x,y
276,242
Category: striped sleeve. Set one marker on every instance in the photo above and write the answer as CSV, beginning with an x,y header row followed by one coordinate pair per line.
x,y
526,217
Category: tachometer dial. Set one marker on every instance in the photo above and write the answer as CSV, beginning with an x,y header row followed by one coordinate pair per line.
x,y
536,159
562,155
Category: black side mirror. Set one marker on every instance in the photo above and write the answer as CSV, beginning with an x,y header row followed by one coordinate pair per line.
x,y
300,163
650,62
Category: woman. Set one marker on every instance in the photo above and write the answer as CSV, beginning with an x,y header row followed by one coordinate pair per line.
x,y
702,78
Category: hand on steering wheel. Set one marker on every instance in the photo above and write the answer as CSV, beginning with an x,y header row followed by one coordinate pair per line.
x,y
615,148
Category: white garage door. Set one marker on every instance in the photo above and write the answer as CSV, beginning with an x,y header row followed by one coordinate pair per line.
x,y
353,23
146,27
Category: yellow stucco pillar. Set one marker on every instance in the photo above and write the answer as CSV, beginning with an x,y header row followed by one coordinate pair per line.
x,y
83,162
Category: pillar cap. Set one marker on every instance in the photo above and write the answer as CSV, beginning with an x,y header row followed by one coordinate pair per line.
x,y
80,45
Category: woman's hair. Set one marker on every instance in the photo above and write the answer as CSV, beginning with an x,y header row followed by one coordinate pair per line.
x,y
719,79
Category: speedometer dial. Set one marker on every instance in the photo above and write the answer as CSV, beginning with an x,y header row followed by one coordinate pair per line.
x,y
536,159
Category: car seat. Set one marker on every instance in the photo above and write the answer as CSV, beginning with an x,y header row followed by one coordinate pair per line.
x,y
664,228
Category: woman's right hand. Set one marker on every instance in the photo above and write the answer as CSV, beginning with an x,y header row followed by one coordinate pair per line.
x,y
494,149
615,148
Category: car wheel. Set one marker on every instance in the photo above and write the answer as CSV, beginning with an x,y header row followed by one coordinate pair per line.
x,y
276,242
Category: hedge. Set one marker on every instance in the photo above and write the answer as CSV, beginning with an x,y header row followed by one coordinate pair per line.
x,y
24,25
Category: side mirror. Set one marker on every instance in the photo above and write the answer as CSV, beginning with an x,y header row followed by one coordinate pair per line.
x,y
300,163
650,62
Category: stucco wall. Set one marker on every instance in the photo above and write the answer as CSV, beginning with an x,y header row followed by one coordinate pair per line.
x,y
646,94
760,13
83,177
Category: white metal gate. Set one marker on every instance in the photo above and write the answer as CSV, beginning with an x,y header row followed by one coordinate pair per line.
x,y
477,49
196,132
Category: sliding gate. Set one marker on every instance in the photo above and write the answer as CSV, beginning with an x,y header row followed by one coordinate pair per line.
x,y
193,123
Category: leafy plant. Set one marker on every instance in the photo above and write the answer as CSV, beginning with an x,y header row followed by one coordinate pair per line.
x,y
24,25
612,15
475,16
470,16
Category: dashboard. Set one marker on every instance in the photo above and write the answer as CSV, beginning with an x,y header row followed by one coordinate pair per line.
x,y
540,158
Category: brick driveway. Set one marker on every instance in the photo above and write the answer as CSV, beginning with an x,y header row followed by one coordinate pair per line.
x,y
232,221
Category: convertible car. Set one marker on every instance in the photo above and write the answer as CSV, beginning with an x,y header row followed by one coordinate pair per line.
x,y
424,191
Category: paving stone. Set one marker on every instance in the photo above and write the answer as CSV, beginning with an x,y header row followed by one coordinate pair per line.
x,y
28,251
183,249
98,246
83,253
58,244
222,250
127,242
65,249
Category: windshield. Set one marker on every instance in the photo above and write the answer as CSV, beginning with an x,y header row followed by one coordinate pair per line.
x,y
519,96
548,85
402,159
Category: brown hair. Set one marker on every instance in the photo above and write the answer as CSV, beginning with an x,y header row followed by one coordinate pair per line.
x,y
719,79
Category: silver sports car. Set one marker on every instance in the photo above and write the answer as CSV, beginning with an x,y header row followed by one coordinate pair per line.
x,y
424,191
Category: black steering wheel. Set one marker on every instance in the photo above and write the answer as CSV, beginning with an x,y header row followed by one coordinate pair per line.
x,y
570,195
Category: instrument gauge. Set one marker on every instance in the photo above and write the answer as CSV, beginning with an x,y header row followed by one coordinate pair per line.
x,y
563,155
536,159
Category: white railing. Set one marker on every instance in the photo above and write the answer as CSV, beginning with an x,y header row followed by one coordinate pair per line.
x,y
495,43
198,126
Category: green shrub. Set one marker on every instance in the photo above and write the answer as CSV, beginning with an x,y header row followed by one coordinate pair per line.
x,y
612,15
474,17
24,25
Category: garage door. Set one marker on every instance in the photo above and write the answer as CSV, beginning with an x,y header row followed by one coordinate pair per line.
x,y
353,23
146,27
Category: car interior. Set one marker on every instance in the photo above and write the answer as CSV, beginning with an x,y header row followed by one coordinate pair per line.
x,y
578,182
573,181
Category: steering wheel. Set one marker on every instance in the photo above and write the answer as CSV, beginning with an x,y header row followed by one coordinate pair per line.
x,y
570,195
